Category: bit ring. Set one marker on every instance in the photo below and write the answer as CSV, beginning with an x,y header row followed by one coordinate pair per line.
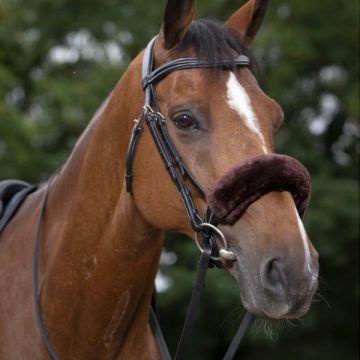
x,y
223,252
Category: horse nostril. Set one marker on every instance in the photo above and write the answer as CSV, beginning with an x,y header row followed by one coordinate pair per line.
x,y
272,277
273,272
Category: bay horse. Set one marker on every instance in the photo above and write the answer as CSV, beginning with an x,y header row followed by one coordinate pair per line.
x,y
101,236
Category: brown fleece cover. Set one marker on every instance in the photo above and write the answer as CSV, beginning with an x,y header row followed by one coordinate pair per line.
x,y
239,187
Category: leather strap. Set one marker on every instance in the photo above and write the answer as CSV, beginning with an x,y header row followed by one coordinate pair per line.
x,y
35,278
155,327
198,287
130,153
246,322
192,63
194,301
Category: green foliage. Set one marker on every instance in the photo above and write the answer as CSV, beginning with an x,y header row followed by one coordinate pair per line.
x,y
59,60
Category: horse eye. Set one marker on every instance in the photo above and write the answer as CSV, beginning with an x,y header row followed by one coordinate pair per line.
x,y
185,122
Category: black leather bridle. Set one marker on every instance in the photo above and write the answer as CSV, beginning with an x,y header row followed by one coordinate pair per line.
x,y
210,253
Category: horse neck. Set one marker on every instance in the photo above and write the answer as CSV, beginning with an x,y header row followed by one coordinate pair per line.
x,y
99,255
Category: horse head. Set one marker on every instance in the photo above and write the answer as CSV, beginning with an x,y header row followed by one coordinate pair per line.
x,y
223,126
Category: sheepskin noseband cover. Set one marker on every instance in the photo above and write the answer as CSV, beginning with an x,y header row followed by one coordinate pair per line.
x,y
238,188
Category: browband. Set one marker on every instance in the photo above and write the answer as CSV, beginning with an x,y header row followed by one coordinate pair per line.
x,y
150,76
191,63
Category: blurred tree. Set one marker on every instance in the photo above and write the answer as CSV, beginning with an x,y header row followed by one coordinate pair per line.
x,y
58,60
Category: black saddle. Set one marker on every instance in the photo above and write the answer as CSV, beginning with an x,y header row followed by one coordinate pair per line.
x,y
12,194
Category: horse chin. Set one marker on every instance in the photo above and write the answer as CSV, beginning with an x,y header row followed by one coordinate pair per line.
x,y
273,311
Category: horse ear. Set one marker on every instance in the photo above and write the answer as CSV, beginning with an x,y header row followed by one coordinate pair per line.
x,y
247,20
178,17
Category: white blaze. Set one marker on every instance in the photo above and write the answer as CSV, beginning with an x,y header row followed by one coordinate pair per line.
x,y
305,242
239,100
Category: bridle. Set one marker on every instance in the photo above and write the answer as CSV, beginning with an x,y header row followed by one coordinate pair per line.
x,y
158,129
211,256
159,132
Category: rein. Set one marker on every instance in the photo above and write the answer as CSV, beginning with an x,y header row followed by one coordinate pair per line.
x,y
211,255
35,277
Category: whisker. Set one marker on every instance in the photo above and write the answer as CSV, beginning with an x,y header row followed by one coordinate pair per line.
x,y
240,311
292,322
322,299
272,329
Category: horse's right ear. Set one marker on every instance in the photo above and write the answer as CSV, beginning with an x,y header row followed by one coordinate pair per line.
x,y
248,19
178,17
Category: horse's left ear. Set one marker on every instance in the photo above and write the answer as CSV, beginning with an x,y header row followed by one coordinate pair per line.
x,y
178,17
247,20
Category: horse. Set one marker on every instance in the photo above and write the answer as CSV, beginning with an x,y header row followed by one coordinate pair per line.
x,y
100,220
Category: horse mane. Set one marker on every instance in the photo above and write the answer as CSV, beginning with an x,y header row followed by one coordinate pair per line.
x,y
212,40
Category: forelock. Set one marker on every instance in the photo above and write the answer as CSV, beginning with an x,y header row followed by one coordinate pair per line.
x,y
211,40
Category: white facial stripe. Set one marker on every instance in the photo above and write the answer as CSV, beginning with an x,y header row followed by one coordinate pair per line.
x,y
305,242
239,101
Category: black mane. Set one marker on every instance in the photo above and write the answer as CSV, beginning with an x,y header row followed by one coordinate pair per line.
x,y
211,40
